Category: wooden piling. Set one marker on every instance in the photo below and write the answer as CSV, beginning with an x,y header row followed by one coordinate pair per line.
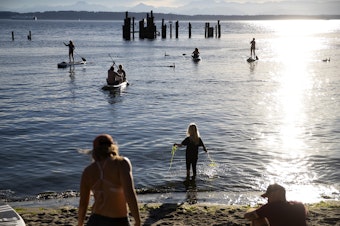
x,y
206,30
127,27
170,29
12,35
163,29
133,28
150,27
150,32
141,29
177,25
209,31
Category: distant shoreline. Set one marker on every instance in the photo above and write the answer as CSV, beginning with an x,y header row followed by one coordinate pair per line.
x,y
86,15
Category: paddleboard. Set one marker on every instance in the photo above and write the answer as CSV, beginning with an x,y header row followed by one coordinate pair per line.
x,y
116,87
9,217
250,59
66,64
196,58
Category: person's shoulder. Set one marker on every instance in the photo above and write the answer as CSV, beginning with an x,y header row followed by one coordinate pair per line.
x,y
296,204
90,167
123,161
298,209
125,164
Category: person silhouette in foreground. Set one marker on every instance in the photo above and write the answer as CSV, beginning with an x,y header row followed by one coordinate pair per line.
x,y
278,211
192,143
110,179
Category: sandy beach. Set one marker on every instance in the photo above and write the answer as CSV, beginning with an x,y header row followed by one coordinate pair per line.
x,y
319,214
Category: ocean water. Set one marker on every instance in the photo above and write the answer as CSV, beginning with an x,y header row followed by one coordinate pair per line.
x,y
274,120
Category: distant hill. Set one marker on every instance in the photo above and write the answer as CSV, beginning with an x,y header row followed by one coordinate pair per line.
x,y
87,15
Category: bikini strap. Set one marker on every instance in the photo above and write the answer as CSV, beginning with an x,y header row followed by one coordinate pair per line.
x,y
101,169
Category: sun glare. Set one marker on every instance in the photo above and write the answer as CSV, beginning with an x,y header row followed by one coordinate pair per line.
x,y
293,49
296,41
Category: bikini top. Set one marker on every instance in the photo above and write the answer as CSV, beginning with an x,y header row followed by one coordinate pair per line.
x,y
104,188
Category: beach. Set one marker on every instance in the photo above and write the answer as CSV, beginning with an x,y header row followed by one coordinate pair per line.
x,y
322,213
273,120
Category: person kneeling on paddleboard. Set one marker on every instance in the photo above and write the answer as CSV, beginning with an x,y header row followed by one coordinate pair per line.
x,y
113,78
121,72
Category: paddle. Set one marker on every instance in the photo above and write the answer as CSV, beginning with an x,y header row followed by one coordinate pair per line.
x,y
114,63
80,56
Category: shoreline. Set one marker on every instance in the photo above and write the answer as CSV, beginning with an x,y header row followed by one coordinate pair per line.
x,y
322,213
191,196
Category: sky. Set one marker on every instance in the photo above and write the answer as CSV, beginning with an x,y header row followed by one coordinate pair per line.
x,y
189,7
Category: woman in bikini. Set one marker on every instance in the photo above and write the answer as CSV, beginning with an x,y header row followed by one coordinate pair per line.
x,y
110,179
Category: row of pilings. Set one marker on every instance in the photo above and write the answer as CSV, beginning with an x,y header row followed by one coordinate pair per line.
x,y
150,31
29,36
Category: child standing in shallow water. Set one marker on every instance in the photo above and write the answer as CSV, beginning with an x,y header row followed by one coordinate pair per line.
x,y
192,143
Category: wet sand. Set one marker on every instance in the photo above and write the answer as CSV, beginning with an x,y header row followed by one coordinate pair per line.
x,y
319,214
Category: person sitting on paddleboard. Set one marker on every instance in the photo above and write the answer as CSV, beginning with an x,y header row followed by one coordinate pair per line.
x,y
121,72
192,143
71,48
196,53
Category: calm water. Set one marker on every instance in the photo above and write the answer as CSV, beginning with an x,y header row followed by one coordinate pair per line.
x,y
276,120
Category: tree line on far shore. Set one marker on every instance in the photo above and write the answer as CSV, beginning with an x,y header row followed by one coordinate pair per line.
x,y
87,15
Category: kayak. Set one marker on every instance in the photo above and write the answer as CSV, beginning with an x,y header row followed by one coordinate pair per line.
x,y
66,64
116,87
196,58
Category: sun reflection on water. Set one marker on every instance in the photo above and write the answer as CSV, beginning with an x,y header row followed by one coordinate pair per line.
x,y
287,110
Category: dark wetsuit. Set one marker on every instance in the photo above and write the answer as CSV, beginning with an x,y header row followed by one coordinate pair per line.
x,y
191,153
70,48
